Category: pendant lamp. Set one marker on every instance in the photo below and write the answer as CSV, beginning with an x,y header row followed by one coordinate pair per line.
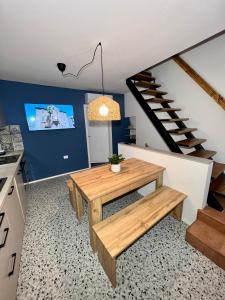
x,y
103,108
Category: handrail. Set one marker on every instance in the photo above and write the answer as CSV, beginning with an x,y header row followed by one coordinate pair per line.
x,y
200,81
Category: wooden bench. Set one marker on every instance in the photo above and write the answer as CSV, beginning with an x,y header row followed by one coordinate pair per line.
x,y
119,231
75,199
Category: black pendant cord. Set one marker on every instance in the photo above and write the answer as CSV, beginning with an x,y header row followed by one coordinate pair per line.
x,y
87,64
103,88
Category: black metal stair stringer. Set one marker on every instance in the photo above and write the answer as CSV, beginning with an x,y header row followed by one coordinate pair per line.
x,y
153,117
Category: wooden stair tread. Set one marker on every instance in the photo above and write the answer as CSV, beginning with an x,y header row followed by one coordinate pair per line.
x,y
152,92
189,143
218,185
147,73
180,131
142,77
121,229
213,218
203,153
147,84
207,240
159,100
218,169
174,120
166,109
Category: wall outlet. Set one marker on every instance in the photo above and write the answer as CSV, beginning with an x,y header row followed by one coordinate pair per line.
x,y
65,156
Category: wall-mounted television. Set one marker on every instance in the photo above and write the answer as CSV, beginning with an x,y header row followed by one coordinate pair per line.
x,y
49,116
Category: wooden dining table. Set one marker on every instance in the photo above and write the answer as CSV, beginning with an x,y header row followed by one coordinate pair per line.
x,y
100,185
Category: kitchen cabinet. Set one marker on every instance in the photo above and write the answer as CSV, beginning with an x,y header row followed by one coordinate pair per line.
x,y
11,236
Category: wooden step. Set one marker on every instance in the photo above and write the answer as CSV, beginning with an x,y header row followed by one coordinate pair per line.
x,y
166,109
189,143
147,73
218,185
153,92
159,100
146,84
218,169
213,218
142,77
208,241
179,131
121,229
174,120
203,153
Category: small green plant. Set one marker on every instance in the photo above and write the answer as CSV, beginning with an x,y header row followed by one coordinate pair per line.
x,y
116,159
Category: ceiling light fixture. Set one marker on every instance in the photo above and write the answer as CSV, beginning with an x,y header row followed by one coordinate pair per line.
x,y
103,108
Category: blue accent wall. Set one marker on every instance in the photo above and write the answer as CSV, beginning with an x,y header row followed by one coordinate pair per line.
x,y
44,150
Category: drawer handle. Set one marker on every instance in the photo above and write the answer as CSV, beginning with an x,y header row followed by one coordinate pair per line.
x,y
2,217
12,189
7,231
14,262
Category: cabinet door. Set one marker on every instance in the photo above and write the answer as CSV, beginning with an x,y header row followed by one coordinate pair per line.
x,y
9,260
18,181
14,214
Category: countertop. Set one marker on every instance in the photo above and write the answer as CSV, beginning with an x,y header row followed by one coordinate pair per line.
x,y
9,171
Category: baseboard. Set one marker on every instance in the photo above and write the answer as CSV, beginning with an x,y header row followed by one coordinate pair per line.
x,y
51,177
187,222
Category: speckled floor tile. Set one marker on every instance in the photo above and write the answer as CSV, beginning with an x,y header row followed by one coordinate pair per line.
x,y
58,263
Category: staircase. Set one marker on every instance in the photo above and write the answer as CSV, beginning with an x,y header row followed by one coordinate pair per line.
x,y
207,233
154,102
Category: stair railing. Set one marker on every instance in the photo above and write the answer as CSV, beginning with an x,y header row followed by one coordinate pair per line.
x,y
200,81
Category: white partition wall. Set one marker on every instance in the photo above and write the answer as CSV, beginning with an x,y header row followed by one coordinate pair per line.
x,y
187,174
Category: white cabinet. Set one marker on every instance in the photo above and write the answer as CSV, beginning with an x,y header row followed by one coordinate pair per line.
x,y
11,236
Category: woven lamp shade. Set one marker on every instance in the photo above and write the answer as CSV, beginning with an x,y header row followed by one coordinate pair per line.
x,y
103,108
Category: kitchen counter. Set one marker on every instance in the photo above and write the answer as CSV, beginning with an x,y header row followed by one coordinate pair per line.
x,y
9,171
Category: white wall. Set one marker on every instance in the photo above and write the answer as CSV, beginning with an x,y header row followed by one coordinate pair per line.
x,y
145,131
187,174
204,113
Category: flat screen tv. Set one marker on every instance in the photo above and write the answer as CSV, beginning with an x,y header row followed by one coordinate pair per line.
x,y
49,116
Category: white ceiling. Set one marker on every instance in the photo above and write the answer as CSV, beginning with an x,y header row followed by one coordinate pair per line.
x,y
35,35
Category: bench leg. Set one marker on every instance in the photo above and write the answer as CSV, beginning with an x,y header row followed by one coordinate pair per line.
x,y
95,216
78,203
176,213
159,181
108,263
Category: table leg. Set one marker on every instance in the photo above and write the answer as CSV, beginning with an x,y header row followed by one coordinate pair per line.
x,y
159,181
95,216
78,202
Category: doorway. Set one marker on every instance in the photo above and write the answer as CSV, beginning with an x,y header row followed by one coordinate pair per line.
x,y
99,140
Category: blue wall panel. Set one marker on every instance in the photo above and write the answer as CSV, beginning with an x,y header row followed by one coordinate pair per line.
x,y
44,150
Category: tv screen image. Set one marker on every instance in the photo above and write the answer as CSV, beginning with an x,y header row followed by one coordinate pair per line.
x,y
49,116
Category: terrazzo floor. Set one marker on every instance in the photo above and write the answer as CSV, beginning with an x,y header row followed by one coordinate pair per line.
x,y
58,263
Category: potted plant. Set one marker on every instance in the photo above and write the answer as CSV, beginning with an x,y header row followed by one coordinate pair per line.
x,y
115,161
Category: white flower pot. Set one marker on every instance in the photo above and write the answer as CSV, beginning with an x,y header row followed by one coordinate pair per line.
x,y
115,168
